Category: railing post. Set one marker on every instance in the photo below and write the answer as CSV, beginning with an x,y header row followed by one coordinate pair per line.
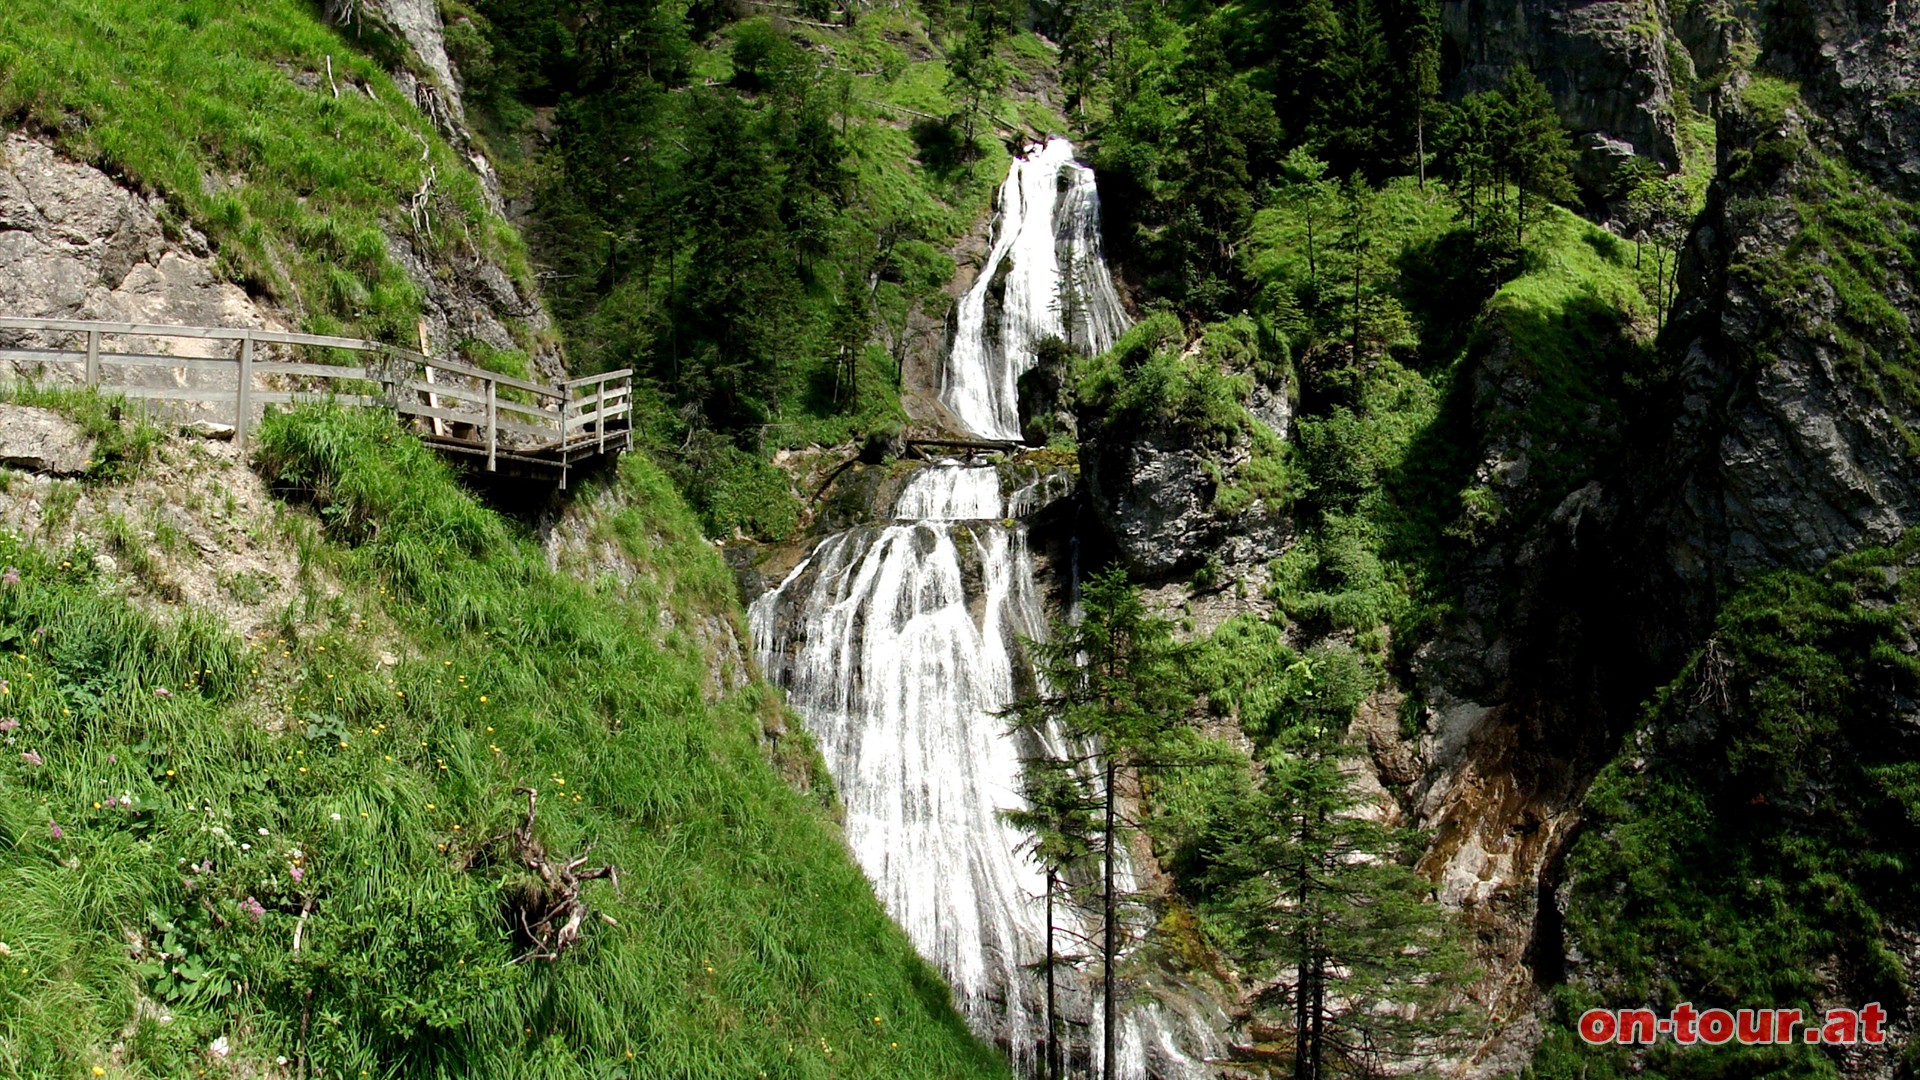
x,y
600,416
93,358
243,396
566,393
493,429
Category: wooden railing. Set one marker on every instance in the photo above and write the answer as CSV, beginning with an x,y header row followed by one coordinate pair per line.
x,y
465,409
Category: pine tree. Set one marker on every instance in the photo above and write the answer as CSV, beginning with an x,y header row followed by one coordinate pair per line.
x,y
1063,823
976,75
1413,36
1367,969
1536,150
1116,681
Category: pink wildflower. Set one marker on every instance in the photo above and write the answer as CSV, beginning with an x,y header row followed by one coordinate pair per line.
x,y
31,758
9,724
162,692
10,576
253,908
54,830
296,874
113,759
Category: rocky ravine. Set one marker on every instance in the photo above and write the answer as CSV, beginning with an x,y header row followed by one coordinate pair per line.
x,y
1781,440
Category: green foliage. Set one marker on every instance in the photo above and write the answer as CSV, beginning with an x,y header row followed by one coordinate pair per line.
x,y
1767,99
1303,256
299,788
1756,847
1290,880
734,490
1144,381
749,212
225,111
1113,691
1853,250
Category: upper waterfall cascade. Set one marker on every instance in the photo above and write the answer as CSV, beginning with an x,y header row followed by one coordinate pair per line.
x,y
1046,276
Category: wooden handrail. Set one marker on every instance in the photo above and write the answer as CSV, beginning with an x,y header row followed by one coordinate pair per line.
x,y
563,412
605,376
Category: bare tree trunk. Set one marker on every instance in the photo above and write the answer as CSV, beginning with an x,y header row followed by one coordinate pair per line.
x,y
1108,943
1420,145
1053,1022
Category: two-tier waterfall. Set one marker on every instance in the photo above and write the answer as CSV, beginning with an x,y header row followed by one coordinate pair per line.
x,y
898,643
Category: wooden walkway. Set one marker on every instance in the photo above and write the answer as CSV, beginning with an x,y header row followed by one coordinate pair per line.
x,y
487,420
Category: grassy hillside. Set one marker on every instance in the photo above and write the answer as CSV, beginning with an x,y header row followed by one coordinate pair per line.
x,y
291,843
227,111
1757,848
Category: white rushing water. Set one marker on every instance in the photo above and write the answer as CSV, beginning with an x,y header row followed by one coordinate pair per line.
x,y
899,683
1046,243
898,646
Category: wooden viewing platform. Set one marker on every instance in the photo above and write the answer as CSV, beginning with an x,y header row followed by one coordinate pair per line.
x,y
484,418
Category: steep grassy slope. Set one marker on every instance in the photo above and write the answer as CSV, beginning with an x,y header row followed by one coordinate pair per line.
x,y
291,843
292,151
1756,846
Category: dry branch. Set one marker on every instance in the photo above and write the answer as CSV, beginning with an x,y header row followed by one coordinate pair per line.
x,y
548,912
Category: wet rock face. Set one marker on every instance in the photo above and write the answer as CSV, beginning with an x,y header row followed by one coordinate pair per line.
x,y
1605,63
1155,498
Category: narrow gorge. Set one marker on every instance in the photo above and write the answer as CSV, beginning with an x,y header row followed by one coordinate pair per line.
x,y
1025,540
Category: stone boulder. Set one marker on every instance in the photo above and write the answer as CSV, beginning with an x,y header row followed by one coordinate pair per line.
x,y
42,441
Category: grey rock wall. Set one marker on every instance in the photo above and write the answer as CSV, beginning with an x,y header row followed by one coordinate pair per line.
x,y
1605,62
75,244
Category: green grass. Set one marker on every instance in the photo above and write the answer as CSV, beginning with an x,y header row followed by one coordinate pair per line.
x,y
1385,476
123,438
1578,325
1755,845
743,940
202,102
1857,245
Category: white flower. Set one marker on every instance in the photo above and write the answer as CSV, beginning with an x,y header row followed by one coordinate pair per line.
x,y
263,832
219,1047
246,847
334,816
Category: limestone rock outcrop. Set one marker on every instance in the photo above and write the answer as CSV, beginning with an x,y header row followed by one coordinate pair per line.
x,y
42,441
75,244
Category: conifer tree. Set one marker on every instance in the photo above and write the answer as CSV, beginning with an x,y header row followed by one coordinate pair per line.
x,y
1536,150
1366,968
1062,820
1115,681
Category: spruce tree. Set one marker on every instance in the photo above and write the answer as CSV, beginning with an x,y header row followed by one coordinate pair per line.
x,y
1115,681
1366,968
1537,152
1062,821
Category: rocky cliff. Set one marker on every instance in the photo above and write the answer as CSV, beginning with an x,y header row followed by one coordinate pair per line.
x,y
1777,434
1607,65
